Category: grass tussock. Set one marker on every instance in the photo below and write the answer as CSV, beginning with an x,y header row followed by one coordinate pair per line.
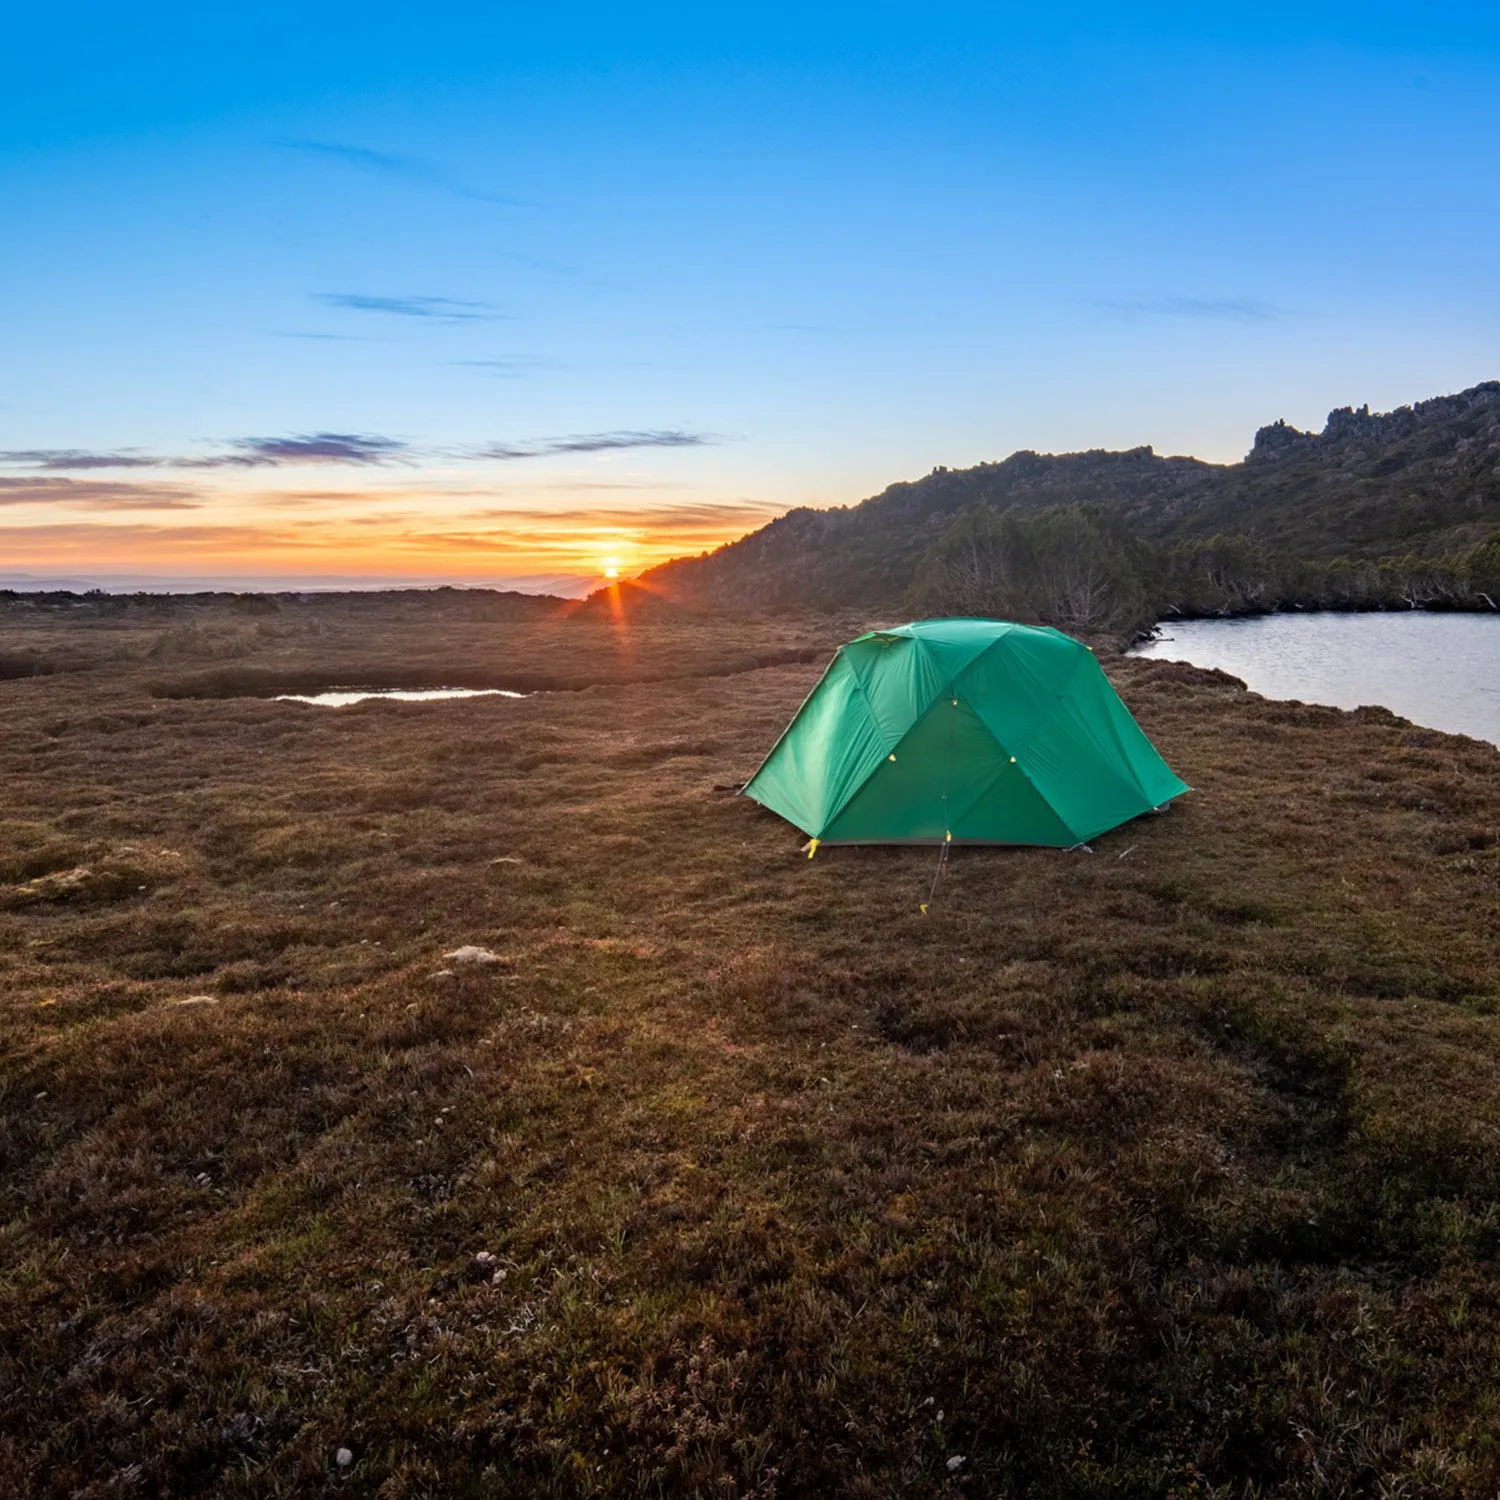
x,y
1171,1169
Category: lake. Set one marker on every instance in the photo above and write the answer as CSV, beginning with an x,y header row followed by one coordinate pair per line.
x,y
1439,670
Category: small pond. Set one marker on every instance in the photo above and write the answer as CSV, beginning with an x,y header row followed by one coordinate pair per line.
x,y
1438,670
343,697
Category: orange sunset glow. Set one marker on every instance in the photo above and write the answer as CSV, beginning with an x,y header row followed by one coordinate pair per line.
x,y
448,530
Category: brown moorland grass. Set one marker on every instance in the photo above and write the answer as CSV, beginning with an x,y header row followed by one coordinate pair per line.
x,y
1173,1169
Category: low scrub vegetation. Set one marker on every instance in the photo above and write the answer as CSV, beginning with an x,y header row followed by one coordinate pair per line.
x,y
1084,568
1385,510
1077,567
477,1098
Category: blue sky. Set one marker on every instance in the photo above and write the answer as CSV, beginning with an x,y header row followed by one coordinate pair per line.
x,y
492,292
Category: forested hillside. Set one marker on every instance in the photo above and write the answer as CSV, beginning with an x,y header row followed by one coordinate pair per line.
x,y
1376,510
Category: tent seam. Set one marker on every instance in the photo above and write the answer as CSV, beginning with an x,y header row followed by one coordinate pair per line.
x,y
1014,760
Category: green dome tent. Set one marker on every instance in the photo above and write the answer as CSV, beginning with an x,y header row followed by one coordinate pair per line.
x,y
965,732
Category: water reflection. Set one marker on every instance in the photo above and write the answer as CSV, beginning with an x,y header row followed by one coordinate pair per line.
x,y
1440,670
343,697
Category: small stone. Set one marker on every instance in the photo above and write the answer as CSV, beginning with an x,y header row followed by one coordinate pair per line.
x,y
470,954
498,1277
485,1258
956,1463
197,1000
343,1458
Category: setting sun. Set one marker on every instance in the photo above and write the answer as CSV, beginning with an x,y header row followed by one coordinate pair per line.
x,y
611,567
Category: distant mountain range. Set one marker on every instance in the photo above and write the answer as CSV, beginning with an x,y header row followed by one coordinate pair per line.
x,y
1415,488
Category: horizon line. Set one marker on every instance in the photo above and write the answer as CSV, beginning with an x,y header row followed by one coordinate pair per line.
x,y
86,580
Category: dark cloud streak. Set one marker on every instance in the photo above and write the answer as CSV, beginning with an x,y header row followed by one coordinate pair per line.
x,y
513,368
361,449
310,448
67,459
595,442
390,164
438,309
245,453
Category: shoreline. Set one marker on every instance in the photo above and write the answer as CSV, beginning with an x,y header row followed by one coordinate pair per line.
x,y
1438,675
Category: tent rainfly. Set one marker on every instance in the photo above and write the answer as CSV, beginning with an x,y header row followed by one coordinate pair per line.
x,y
965,732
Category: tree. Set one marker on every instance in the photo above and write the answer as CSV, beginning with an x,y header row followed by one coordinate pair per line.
x,y
1079,567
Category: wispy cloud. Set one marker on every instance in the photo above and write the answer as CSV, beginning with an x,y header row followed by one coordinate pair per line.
x,y
390,164
1224,309
679,518
595,442
291,499
438,309
243,453
119,542
598,442
96,494
511,367
564,538
330,338
72,459
310,448
538,263
359,449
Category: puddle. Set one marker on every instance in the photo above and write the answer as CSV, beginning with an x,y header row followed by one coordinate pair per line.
x,y
343,697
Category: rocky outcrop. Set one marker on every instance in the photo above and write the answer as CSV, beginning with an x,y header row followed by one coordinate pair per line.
x,y
1346,424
